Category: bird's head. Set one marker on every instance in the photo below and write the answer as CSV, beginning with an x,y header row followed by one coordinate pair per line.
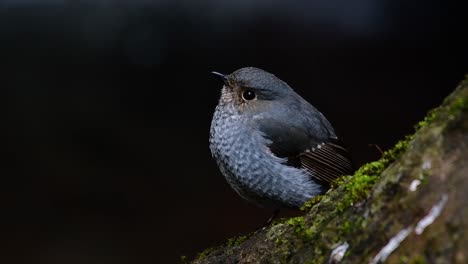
x,y
251,90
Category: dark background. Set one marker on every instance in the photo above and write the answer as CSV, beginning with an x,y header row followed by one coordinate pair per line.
x,y
109,103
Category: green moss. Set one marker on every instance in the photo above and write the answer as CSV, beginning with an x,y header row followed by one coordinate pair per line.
x,y
358,187
418,259
232,242
306,207
202,255
307,235
339,181
429,117
298,226
236,241
346,228
395,153
460,104
279,241
403,260
183,259
297,223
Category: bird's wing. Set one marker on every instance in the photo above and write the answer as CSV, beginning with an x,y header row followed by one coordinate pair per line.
x,y
309,147
326,161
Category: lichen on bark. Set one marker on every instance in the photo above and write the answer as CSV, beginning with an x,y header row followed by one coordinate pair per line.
x,y
378,213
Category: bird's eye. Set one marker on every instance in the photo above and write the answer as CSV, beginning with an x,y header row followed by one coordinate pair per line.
x,y
248,95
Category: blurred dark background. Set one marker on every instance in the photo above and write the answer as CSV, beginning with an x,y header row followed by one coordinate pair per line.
x,y
109,103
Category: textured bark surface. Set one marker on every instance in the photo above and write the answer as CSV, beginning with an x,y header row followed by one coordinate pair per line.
x,y
409,207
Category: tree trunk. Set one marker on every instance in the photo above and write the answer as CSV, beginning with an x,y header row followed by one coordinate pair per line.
x,y
411,206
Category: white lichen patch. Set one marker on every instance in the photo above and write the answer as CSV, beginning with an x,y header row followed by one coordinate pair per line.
x,y
338,253
393,244
435,211
275,231
414,185
426,165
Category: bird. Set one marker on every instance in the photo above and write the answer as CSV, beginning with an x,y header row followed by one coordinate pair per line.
x,y
273,147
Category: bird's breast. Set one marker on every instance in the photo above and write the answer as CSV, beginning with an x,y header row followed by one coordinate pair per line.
x,y
229,137
251,169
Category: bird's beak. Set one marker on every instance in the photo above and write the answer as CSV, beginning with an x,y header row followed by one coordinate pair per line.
x,y
220,77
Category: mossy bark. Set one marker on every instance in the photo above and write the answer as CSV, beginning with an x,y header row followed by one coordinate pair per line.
x,y
409,207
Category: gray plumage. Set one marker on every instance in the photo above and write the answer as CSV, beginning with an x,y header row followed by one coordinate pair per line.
x,y
273,147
